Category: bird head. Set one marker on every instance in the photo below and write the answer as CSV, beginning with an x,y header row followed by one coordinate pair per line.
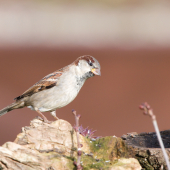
x,y
87,66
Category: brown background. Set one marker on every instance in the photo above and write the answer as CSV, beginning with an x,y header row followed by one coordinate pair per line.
x,y
108,104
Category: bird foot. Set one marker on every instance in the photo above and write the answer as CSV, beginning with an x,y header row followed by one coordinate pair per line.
x,y
56,118
39,118
47,121
44,120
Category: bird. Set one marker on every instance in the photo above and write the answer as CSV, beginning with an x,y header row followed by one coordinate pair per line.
x,y
57,89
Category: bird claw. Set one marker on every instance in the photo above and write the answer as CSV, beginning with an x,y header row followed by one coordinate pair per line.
x,y
44,120
47,121
39,118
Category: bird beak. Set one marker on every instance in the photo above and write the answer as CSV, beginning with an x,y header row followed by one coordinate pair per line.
x,y
96,71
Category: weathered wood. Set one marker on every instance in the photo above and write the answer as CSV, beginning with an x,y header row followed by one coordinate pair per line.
x,y
145,147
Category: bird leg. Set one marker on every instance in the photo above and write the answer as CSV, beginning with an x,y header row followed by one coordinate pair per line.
x,y
53,113
43,117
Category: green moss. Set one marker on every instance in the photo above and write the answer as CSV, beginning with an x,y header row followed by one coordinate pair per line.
x,y
108,148
52,155
103,148
70,164
74,149
70,158
89,162
105,152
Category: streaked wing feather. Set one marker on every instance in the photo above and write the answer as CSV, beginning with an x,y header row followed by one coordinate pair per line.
x,y
47,82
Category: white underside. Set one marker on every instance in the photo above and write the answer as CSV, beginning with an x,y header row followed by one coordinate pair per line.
x,y
56,97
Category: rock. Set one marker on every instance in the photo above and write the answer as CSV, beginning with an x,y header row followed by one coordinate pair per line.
x,y
58,136
126,164
43,146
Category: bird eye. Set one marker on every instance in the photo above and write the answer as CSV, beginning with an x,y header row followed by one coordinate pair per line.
x,y
90,63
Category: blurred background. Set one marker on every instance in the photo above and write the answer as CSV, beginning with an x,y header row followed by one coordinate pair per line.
x,y
130,39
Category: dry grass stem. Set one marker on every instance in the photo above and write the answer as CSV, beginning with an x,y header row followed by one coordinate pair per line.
x,y
148,111
79,152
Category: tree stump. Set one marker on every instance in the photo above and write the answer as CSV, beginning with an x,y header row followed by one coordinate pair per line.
x,y
145,147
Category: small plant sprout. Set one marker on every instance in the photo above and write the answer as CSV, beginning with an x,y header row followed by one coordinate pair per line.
x,y
86,132
148,111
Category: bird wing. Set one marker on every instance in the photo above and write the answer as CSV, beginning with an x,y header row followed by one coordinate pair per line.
x,y
47,82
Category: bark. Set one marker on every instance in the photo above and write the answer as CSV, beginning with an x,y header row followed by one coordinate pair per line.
x,y
145,147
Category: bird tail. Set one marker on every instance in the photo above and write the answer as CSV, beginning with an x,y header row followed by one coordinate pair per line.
x,y
12,106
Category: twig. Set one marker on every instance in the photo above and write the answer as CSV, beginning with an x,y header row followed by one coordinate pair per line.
x,y
79,152
148,111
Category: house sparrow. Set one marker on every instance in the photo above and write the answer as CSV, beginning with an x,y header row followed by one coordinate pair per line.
x,y
57,89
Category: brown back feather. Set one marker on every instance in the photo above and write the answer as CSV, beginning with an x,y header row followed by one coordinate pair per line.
x,y
43,84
